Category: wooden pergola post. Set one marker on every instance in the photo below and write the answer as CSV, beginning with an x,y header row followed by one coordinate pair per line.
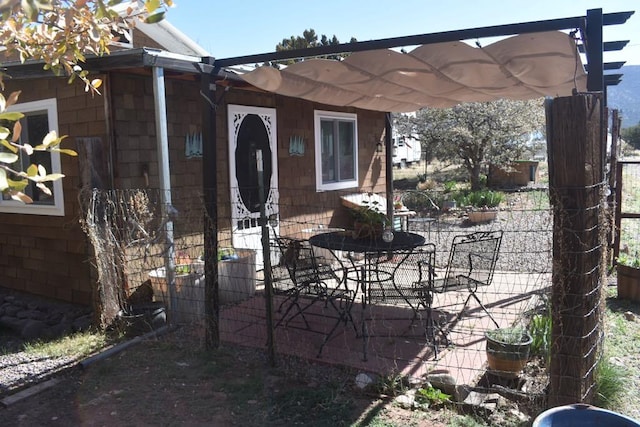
x,y
576,188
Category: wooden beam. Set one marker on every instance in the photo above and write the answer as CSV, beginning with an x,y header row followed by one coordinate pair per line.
x,y
576,176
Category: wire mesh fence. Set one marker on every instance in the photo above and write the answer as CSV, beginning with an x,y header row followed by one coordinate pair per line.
x,y
629,210
330,317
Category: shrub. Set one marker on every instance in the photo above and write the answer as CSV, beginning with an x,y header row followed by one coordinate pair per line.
x,y
610,384
480,199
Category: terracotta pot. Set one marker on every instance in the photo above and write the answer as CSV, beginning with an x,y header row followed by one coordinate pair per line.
x,y
507,358
482,216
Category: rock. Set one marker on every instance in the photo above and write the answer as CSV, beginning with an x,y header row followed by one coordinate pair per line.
x,y
31,314
12,310
444,382
406,401
461,393
33,329
363,380
82,323
487,401
55,318
12,323
59,330
630,316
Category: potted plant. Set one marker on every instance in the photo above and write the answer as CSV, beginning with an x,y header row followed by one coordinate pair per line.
x,y
482,205
368,220
508,350
628,271
449,196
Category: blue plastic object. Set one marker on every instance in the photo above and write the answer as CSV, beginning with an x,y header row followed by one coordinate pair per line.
x,y
583,416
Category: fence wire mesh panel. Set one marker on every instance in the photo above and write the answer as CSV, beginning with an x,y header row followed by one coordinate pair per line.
x,y
629,225
322,301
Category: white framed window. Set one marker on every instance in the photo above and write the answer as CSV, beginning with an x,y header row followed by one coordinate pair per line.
x,y
336,150
40,117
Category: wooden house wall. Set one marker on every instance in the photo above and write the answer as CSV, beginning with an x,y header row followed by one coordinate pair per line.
x,y
48,255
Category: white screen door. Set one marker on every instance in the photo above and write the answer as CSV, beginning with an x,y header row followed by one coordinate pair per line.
x,y
251,129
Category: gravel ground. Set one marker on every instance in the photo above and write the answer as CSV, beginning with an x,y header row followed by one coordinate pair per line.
x,y
21,369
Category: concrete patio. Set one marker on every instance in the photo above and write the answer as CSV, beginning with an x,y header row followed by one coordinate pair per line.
x,y
395,344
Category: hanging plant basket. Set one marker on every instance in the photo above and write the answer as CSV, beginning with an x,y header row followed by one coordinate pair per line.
x,y
507,351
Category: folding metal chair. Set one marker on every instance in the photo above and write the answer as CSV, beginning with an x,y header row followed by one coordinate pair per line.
x,y
472,262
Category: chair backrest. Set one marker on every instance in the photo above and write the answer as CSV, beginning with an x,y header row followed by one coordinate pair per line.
x,y
410,273
473,256
297,258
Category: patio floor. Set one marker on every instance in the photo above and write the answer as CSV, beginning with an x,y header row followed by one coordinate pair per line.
x,y
395,344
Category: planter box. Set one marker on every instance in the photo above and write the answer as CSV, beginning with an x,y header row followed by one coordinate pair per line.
x,y
237,277
189,293
236,282
482,216
628,282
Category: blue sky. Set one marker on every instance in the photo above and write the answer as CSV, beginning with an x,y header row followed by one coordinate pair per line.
x,y
239,28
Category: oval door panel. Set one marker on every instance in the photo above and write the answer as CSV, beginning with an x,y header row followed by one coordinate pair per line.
x,y
252,136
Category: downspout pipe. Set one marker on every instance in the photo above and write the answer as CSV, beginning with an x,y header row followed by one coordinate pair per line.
x,y
162,142
388,162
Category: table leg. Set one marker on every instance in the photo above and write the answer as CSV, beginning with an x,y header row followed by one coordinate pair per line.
x,y
365,332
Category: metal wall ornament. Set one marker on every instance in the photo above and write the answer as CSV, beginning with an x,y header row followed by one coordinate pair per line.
x,y
193,145
296,146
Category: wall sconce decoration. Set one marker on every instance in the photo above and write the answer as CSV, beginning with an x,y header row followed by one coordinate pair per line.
x,y
193,145
296,146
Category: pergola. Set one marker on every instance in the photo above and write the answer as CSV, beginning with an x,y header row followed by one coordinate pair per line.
x,y
536,62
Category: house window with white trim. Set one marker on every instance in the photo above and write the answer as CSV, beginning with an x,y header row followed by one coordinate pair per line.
x,y
40,117
336,149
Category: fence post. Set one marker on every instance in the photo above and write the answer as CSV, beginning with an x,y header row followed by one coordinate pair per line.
x,y
576,189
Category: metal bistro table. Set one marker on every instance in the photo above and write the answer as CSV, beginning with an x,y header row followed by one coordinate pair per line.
x,y
366,272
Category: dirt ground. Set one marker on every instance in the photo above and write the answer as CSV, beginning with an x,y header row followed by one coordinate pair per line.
x,y
173,381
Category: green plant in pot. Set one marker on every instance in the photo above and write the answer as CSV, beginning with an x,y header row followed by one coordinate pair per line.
x,y
508,350
482,205
368,221
628,272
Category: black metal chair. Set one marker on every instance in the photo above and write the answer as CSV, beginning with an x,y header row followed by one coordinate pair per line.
x,y
410,283
308,284
471,265
407,275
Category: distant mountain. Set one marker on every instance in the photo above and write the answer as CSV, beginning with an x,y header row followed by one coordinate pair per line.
x,y
626,95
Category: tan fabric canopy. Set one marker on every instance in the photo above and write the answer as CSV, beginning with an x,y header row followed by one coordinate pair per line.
x,y
436,75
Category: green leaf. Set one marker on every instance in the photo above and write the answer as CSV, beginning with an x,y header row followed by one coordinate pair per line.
x,y
51,177
32,171
18,185
9,146
8,158
11,116
155,18
66,151
151,5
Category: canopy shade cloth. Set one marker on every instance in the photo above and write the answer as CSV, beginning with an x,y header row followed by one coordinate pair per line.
x,y
522,67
